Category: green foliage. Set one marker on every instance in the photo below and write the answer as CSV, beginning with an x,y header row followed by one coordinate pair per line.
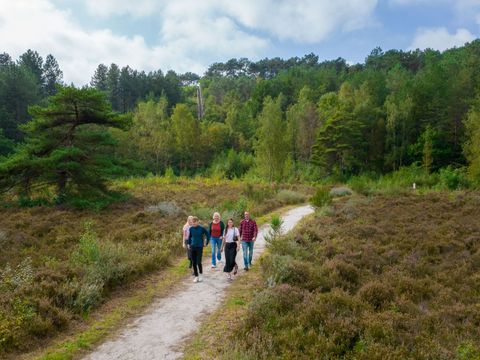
x,y
321,197
67,146
272,147
338,146
232,164
472,145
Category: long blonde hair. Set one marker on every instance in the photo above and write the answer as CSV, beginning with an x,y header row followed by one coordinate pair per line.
x,y
189,218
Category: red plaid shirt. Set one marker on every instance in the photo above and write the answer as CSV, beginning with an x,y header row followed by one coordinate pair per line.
x,y
248,230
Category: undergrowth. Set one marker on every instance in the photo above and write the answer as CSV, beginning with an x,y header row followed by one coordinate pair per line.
x,y
57,264
376,278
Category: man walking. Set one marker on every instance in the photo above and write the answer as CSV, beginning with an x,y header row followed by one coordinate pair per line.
x,y
248,235
198,238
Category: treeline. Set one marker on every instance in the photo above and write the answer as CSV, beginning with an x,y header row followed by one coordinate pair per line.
x,y
22,83
301,119
280,120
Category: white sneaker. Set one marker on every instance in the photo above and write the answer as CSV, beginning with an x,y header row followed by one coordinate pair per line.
x,y
213,266
196,279
200,279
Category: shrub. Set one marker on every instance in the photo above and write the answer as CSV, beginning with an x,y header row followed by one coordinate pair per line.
x,y
376,294
453,179
202,211
342,274
3,237
170,174
258,194
340,191
361,184
288,197
321,197
165,208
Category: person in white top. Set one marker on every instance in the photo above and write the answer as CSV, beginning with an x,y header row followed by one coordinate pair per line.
x,y
231,245
186,232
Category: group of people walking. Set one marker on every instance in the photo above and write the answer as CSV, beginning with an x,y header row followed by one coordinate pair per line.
x,y
223,238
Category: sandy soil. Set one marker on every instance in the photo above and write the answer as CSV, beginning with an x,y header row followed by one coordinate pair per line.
x,y
158,333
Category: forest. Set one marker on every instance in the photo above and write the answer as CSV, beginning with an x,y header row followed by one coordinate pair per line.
x,y
275,120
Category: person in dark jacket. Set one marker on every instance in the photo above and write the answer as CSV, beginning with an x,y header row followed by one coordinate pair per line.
x,y
198,238
216,229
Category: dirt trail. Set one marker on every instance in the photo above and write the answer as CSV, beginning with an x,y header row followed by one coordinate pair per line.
x,y
158,333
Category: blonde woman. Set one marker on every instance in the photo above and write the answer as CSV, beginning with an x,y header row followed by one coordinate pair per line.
x,y
215,230
186,233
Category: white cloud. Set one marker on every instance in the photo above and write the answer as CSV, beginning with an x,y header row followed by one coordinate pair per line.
x,y
191,33
440,39
107,8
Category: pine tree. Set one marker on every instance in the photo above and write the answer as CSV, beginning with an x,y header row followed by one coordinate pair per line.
x,y
100,78
67,145
34,62
339,138
52,75
113,86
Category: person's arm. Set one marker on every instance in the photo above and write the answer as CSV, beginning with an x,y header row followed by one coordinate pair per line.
x,y
224,237
207,235
222,229
236,232
189,240
255,230
241,229
184,237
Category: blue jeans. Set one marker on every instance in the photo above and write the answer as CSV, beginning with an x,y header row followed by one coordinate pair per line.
x,y
247,248
216,243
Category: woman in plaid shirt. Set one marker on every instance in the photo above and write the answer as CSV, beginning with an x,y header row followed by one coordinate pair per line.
x,y
248,235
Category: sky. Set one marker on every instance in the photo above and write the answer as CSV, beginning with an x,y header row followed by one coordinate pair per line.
x,y
190,35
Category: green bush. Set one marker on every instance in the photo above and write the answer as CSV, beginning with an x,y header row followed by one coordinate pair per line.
x,y
231,164
321,197
453,179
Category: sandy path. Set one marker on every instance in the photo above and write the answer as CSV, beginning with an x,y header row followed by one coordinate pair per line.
x,y
157,333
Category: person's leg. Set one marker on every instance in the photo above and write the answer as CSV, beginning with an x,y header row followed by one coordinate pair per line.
x,y
189,256
219,250
250,253
244,250
193,253
199,261
212,244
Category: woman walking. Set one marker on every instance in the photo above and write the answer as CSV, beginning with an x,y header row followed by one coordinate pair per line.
x,y
231,246
186,233
197,239
216,229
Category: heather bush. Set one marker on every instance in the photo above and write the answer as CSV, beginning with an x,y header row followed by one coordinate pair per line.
x,y
165,208
389,277
340,191
289,197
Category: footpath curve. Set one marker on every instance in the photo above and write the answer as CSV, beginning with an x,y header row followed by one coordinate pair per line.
x,y
158,333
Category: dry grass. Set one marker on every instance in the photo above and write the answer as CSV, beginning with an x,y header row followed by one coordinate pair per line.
x,y
54,272
381,277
